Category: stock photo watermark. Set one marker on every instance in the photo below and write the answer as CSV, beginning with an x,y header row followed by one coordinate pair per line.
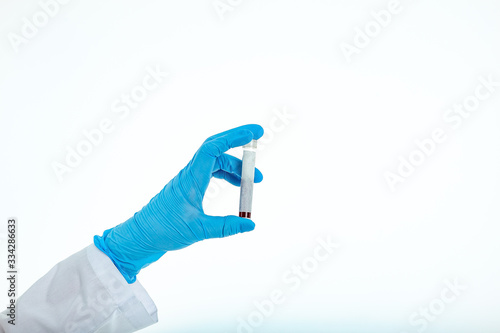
x,y
122,107
222,7
425,315
30,26
292,280
453,117
363,37
281,118
12,270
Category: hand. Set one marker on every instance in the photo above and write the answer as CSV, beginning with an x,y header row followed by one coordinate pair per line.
x,y
174,218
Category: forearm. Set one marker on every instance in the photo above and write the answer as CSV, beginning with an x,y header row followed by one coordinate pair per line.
x,y
83,293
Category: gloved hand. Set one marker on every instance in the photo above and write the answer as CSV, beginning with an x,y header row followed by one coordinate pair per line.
x,y
174,218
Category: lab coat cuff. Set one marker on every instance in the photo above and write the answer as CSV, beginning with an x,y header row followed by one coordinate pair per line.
x,y
132,299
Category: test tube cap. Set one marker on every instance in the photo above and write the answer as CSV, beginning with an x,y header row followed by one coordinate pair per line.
x,y
251,144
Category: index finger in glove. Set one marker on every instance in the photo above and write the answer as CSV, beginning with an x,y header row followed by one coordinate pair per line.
x,y
256,130
203,162
218,144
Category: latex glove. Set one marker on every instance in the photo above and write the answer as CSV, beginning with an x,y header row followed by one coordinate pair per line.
x,y
174,218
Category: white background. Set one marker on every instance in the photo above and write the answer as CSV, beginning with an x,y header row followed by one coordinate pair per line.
x,y
323,170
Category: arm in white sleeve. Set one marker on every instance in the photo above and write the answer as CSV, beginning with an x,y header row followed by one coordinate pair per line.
x,y
83,293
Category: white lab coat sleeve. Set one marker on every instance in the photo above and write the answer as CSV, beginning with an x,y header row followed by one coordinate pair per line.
x,y
83,293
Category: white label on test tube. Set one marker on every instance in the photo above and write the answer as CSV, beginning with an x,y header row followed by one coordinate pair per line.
x,y
247,178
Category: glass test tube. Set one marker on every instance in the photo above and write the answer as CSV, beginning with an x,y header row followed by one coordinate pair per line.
x,y
247,178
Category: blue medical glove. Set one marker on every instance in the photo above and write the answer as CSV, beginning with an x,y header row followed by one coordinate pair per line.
x,y
174,218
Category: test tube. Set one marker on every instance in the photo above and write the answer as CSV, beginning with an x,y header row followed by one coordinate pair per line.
x,y
247,178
